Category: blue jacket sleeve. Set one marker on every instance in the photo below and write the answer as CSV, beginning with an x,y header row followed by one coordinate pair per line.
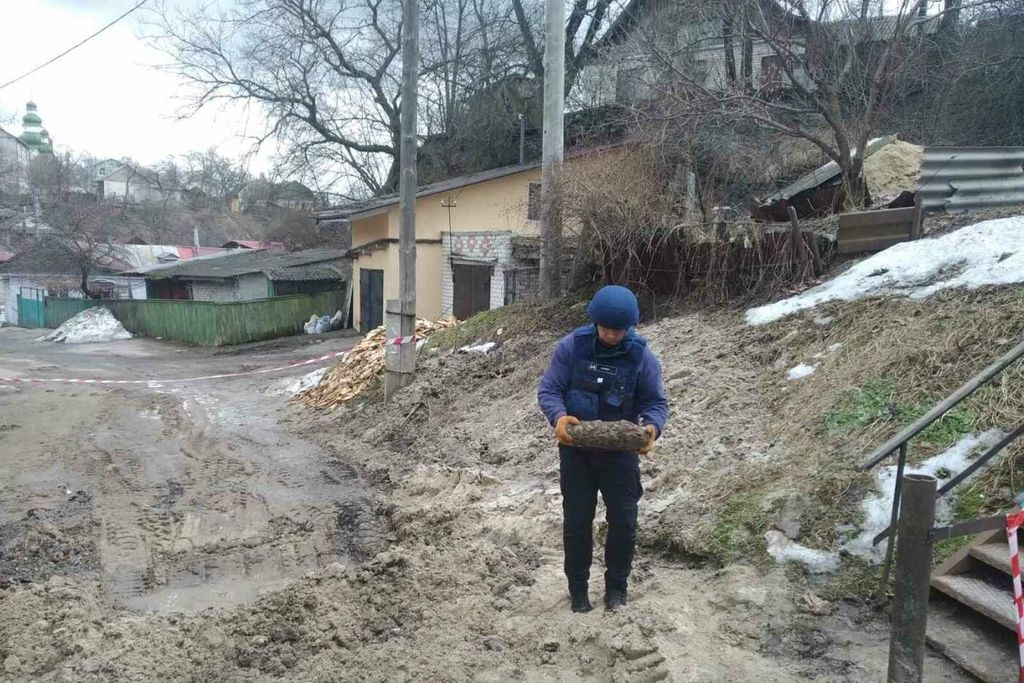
x,y
554,385
651,402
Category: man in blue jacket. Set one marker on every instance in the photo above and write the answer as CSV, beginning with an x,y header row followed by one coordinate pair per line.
x,y
602,371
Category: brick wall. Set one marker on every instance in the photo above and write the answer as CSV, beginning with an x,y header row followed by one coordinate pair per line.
x,y
482,246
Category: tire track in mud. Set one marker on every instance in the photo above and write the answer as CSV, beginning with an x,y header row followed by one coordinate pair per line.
x,y
201,500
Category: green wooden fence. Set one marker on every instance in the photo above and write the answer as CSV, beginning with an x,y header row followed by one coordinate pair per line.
x,y
207,323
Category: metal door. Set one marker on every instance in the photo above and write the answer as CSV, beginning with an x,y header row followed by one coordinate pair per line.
x,y
472,285
30,307
371,299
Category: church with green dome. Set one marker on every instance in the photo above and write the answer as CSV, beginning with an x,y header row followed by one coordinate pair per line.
x,y
34,135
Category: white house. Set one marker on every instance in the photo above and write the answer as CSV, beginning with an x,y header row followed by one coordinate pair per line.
x,y
685,36
101,169
140,184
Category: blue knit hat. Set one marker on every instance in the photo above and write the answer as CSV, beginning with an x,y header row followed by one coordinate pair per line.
x,y
614,306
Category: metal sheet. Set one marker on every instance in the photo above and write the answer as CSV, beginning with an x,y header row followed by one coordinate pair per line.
x,y
960,178
823,174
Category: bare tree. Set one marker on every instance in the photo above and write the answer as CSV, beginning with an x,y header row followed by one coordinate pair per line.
x,y
83,236
298,230
325,73
973,91
590,25
829,76
131,172
213,176
327,76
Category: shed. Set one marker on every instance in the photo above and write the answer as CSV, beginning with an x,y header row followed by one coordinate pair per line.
x,y
246,274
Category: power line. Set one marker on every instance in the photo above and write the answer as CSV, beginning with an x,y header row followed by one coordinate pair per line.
x,y
73,47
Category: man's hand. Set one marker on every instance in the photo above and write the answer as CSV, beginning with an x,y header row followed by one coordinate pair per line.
x,y
562,429
652,435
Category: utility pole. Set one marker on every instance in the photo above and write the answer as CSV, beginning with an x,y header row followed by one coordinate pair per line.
x,y
400,360
553,150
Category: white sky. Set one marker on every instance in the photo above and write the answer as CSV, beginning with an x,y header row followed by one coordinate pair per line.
x,y
106,98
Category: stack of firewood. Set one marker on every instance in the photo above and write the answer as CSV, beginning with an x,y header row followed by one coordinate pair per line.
x,y
363,364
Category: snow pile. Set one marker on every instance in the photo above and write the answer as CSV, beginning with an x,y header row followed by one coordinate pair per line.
x,y
296,385
801,371
95,324
987,253
479,348
783,550
877,507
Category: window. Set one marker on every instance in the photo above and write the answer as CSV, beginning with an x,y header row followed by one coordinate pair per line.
x,y
533,204
773,70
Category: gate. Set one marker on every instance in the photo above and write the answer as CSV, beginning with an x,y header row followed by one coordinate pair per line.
x,y
472,285
371,299
31,312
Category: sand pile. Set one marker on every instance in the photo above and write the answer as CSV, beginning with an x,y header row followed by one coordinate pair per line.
x,y
893,169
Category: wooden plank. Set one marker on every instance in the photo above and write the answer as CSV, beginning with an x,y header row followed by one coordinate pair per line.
x,y
979,649
883,217
996,555
917,222
856,246
873,237
986,598
960,561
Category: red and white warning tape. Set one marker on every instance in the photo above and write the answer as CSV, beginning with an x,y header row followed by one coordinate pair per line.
x,y
62,380
1014,522
398,341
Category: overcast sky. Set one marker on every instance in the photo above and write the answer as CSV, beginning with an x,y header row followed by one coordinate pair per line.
x,y
106,97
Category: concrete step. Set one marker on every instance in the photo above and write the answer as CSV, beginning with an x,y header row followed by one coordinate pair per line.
x,y
987,595
995,555
974,643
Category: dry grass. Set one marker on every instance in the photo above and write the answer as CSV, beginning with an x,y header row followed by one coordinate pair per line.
x,y
898,358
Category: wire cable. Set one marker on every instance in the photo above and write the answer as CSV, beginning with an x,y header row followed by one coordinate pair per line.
x,y
73,47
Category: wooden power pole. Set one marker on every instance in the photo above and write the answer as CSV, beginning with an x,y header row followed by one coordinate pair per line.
x,y
400,360
552,153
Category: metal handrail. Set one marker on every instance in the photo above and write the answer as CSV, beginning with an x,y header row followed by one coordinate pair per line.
x,y
903,437
942,407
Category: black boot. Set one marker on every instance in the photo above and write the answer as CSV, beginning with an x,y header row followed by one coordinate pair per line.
x,y
614,598
579,599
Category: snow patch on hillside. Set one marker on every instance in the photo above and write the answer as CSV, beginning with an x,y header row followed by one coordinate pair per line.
x,y
877,507
987,253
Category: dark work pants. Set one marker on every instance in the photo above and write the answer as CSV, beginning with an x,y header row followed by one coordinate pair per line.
x,y
582,474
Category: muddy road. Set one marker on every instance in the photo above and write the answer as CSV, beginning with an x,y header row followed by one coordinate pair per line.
x,y
214,531
182,496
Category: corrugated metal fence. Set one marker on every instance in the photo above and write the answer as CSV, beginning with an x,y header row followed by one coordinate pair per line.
x,y
206,323
958,178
